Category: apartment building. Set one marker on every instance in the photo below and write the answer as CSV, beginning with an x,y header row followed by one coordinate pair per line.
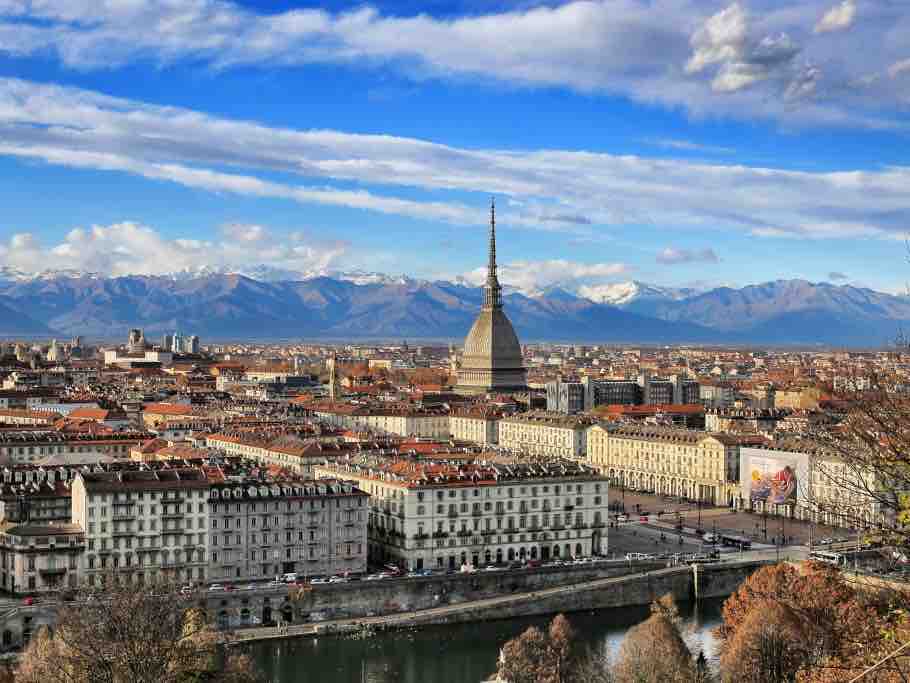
x,y
545,433
438,514
30,446
262,529
479,424
667,461
283,450
39,558
400,419
144,524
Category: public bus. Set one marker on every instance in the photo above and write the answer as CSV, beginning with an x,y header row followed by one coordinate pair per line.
x,y
827,557
736,541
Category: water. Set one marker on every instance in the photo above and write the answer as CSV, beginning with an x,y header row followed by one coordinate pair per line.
x,y
464,653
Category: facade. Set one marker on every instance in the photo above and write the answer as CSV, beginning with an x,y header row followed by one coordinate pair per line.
x,y
800,478
491,359
37,446
260,530
611,392
545,433
399,419
37,558
567,398
667,461
478,424
448,514
143,524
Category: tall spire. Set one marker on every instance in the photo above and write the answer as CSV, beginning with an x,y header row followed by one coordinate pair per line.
x,y
491,265
492,293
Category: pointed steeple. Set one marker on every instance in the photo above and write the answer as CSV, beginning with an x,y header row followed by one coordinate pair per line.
x,y
492,292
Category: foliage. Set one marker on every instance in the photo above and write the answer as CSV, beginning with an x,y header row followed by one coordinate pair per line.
x,y
654,651
554,656
805,624
129,633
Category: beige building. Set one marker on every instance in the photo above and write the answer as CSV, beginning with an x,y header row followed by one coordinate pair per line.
x,y
143,524
445,514
263,529
667,461
399,419
478,424
542,433
62,447
38,558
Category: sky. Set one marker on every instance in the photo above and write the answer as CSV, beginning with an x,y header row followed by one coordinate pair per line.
x,y
689,143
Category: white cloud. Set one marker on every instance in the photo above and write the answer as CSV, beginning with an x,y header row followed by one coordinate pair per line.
x,y
688,146
671,256
552,189
633,48
131,248
742,61
899,68
837,18
532,277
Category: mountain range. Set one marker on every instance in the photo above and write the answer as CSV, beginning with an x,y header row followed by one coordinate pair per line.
x,y
220,305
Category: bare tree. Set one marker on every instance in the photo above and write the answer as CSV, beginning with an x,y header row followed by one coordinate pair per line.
x,y
129,633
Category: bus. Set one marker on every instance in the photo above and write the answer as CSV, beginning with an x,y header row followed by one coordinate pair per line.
x,y
732,541
836,559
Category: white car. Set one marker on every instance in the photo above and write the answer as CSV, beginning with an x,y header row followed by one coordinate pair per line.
x,y
216,587
338,579
319,581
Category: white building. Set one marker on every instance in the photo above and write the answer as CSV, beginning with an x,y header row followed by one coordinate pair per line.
x,y
543,433
436,514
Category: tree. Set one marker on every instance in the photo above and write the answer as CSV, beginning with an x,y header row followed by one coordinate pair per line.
x,y
554,656
654,651
129,633
805,624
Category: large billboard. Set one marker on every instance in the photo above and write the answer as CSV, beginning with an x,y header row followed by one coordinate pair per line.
x,y
772,481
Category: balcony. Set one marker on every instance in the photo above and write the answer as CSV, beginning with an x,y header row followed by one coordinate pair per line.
x,y
440,534
463,533
421,537
172,515
488,532
477,512
580,526
124,514
568,508
452,514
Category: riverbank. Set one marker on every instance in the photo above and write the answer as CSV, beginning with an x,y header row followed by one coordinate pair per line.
x,y
684,583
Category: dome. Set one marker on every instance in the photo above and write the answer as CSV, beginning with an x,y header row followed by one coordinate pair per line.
x,y
492,343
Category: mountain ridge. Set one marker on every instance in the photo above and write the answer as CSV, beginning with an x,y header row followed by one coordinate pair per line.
x,y
358,305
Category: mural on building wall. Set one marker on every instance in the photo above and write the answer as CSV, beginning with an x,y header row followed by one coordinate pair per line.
x,y
772,480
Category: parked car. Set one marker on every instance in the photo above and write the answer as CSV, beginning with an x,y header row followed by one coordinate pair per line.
x,y
338,579
216,587
319,580
290,577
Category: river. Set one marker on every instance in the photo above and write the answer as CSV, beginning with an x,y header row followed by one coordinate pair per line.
x,y
464,653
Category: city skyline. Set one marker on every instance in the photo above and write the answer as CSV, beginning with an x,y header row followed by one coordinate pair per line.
x,y
673,142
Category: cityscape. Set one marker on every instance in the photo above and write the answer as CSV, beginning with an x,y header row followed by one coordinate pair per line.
x,y
454,342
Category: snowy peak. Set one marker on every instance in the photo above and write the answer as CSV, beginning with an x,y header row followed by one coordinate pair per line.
x,y
626,293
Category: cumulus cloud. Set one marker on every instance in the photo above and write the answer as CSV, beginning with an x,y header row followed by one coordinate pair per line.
x,y
131,248
837,276
837,18
532,277
633,48
575,192
724,40
672,256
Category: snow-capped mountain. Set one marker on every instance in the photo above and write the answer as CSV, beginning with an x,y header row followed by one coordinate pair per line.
x,y
626,293
12,274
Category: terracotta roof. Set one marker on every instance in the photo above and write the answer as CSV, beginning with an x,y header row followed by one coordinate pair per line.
x,y
167,409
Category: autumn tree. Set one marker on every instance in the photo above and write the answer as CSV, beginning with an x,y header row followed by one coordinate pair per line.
x,y
802,624
654,650
554,656
129,633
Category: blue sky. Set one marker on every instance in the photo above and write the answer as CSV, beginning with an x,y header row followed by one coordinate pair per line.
x,y
679,142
